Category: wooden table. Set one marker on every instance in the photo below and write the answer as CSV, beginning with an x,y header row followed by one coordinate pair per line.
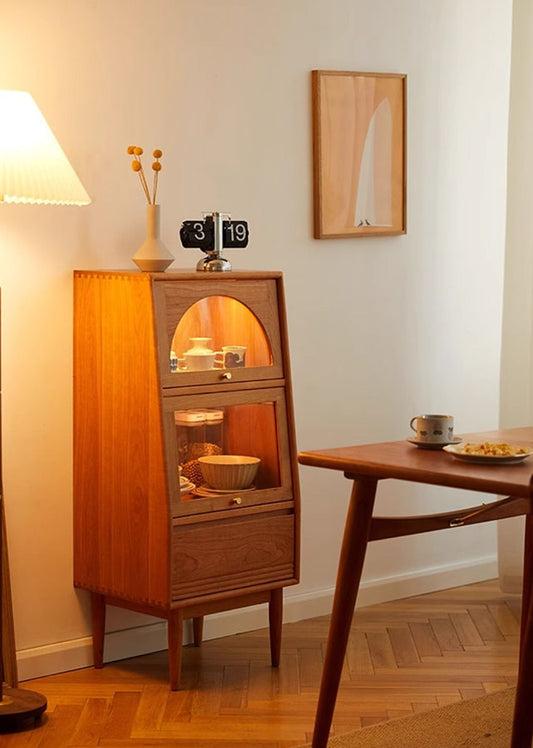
x,y
367,464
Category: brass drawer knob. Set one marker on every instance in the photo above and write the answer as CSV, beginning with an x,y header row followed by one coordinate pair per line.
x,y
237,501
226,375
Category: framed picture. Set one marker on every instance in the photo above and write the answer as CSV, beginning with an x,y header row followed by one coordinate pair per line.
x,y
359,142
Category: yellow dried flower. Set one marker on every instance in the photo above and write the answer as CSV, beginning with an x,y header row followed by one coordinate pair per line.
x,y
136,164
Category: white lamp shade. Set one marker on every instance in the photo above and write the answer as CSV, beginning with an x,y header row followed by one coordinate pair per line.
x,y
33,166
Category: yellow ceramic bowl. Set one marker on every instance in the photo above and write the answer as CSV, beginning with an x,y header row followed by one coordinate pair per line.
x,y
229,472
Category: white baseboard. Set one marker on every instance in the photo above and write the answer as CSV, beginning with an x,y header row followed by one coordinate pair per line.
x,y
77,653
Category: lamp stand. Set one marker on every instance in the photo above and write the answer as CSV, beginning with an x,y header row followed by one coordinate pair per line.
x,y
17,705
34,170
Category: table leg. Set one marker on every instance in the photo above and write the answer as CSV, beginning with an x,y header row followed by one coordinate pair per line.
x,y
527,579
523,715
356,534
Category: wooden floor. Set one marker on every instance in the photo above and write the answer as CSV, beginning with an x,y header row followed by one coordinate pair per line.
x,y
403,657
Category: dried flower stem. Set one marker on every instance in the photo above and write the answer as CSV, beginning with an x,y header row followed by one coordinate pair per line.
x,y
156,166
156,175
137,166
144,184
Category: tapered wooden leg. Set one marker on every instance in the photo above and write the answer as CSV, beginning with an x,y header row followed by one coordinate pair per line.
x,y
522,733
527,579
98,621
175,645
275,619
197,630
356,534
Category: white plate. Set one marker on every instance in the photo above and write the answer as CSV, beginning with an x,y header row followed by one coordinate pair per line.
x,y
187,487
206,491
432,445
493,459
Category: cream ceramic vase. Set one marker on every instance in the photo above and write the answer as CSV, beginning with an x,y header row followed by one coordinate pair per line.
x,y
200,357
152,256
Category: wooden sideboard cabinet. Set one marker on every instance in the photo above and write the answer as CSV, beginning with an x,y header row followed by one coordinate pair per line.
x,y
143,416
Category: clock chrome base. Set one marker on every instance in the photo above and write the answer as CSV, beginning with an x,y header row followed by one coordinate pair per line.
x,y
214,264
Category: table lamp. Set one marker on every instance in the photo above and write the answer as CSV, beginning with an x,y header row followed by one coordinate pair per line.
x,y
33,169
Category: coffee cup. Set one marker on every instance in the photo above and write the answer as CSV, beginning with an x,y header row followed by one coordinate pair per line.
x,y
231,356
433,428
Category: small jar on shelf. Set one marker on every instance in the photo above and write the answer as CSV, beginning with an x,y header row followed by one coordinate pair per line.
x,y
199,433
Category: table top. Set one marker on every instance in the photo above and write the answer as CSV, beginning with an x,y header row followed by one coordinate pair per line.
x,y
404,461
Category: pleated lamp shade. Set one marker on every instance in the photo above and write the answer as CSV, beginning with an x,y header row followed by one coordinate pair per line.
x,y
33,166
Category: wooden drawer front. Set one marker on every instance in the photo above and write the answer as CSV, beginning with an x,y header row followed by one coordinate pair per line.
x,y
232,554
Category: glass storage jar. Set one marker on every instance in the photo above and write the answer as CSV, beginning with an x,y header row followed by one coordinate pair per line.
x,y
198,433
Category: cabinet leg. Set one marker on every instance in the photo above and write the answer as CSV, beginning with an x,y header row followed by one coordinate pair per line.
x,y
275,619
175,647
98,621
198,630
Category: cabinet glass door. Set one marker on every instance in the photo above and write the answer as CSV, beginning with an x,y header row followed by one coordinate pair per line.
x,y
232,335
219,332
227,450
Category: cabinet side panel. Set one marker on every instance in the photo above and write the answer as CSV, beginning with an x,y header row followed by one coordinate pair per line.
x,y
291,434
121,519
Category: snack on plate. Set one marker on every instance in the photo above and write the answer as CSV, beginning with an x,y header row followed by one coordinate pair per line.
x,y
494,450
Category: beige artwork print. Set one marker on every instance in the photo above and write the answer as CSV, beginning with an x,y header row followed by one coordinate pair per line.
x,y
361,155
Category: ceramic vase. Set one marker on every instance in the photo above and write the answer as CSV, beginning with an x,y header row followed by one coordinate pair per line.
x,y
200,357
152,256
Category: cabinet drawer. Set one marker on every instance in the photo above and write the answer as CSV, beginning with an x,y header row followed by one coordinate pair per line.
x,y
231,554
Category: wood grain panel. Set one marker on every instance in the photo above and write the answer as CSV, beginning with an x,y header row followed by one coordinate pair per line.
x,y
120,505
226,555
251,429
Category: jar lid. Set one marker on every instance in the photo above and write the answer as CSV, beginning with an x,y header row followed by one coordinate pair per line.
x,y
195,417
189,417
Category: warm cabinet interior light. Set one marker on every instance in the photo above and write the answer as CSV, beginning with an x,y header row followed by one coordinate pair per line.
x,y
33,166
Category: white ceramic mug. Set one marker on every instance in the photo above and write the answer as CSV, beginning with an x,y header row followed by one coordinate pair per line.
x,y
231,356
434,428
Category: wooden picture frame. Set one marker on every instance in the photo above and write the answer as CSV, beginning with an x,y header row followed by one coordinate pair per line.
x,y
359,153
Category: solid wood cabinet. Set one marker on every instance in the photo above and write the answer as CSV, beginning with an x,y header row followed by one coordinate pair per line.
x,y
143,414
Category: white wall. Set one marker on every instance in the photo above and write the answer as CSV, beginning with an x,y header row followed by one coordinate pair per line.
x,y
380,328
517,348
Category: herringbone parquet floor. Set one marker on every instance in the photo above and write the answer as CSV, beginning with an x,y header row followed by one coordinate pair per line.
x,y
403,657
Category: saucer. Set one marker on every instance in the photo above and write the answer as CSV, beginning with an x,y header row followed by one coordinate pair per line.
x,y
206,491
433,445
